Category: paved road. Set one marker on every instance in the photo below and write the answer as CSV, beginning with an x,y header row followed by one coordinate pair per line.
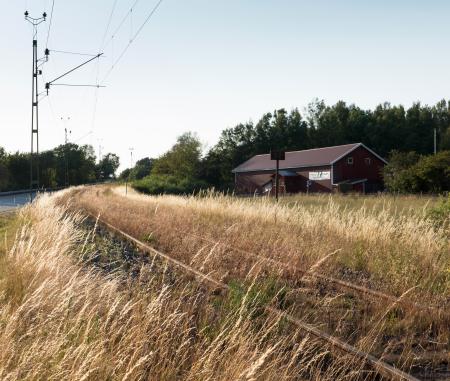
x,y
10,202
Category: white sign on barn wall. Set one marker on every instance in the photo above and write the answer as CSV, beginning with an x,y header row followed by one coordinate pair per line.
x,y
322,175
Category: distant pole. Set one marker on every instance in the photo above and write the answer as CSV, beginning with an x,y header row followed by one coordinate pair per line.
x,y
435,141
129,173
66,152
65,120
100,151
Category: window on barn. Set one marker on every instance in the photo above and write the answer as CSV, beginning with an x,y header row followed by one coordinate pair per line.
x,y
350,160
368,161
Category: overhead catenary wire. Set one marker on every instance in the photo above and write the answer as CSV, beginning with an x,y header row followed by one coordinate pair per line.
x,y
97,68
50,24
122,22
77,85
71,70
103,46
152,12
94,110
82,137
49,100
73,53
52,83
108,25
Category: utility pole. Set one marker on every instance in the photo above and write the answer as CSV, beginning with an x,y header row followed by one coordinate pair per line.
x,y
37,62
34,161
277,155
100,147
66,153
65,120
129,173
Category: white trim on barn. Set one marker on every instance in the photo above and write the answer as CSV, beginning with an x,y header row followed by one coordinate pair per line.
x,y
354,148
375,154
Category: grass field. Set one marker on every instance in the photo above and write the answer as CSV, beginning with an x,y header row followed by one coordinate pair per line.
x,y
415,205
78,303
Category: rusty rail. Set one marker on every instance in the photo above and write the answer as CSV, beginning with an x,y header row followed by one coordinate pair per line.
x,y
380,366
337,282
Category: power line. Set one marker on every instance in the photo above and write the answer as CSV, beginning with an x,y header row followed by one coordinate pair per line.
x,y
121,23
50,105
94,111
50,24
97,85
84,136
103,47
107,25
155,8
98,63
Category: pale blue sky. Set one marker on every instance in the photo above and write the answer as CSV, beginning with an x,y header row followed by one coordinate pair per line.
x,y
204,65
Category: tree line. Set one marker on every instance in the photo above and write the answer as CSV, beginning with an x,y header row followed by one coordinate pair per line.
x,y
67,164
389,130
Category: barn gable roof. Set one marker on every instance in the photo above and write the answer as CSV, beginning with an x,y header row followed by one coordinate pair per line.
x,y
315,157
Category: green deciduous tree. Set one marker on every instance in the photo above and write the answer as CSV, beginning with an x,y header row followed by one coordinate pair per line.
x,y
177,171
106,169
81,168
142,168
432,173
397,174
182,160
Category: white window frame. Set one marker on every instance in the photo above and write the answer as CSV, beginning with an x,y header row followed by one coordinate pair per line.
x,y
350,160
368,161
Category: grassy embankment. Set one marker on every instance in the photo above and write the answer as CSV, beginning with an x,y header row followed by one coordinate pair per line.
x,y
71,319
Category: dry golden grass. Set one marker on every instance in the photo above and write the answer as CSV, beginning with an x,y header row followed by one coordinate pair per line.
x,y
64,317
393,252
71,321
399,253
412,205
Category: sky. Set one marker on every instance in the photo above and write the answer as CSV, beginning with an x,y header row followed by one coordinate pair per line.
x,y
207,65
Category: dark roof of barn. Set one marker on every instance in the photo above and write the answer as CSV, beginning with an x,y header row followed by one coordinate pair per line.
x,y
296,159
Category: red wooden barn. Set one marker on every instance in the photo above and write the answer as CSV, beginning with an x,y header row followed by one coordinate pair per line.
x,y
349,167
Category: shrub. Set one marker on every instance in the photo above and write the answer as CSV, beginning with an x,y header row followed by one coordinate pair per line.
x,y
168,184
410,173
440,214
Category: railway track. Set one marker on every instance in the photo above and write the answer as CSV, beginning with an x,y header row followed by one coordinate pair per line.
x,y
366,292
380,366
